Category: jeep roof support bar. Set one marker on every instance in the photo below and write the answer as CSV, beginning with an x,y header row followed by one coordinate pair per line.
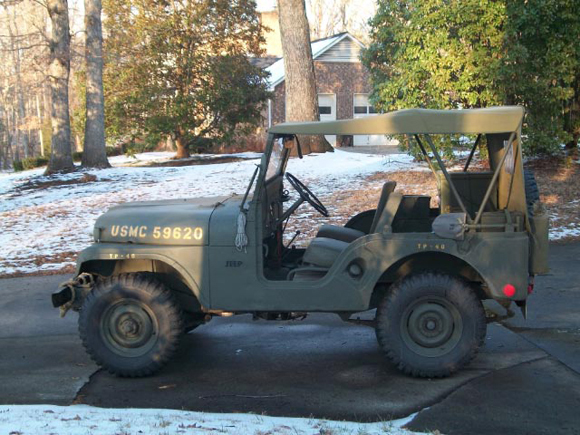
x,y
472,152
424,151
496,176
447,177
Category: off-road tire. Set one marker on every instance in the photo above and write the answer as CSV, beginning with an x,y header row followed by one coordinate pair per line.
x,y
531,189
418,299
123,311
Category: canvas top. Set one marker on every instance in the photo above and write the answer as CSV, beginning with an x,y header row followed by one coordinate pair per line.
x,y
504,119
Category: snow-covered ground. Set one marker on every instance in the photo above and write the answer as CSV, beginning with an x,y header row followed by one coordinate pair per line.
x,y
43,228
82,420
559,229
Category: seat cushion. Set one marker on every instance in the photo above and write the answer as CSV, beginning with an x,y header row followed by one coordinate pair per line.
x,y
322,251
388,188
339,233
388,215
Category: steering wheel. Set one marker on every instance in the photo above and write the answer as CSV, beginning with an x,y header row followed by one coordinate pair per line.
x,y
306,194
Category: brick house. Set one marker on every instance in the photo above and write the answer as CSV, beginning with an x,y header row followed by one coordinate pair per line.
x,y
342,84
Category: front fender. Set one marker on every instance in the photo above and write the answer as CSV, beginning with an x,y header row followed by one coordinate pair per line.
x,y
192,264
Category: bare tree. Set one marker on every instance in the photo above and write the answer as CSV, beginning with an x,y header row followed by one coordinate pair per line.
x,y
16,84
329,17
5,137
301,96
94,153
24,54
22,137
59,71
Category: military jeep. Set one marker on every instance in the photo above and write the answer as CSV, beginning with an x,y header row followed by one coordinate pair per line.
x,y
159,269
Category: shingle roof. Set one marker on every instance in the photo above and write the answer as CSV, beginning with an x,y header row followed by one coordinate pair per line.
x,y
319,46
263,62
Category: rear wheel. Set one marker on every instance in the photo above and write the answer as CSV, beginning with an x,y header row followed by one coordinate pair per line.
x,y
130,324
430,324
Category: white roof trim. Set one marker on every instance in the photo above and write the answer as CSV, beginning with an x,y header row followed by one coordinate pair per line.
x,y
277,72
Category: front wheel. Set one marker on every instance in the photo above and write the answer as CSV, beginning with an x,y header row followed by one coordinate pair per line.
x,y
130,324
430,324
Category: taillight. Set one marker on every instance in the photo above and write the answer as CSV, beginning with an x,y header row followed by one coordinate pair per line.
x,y
509,290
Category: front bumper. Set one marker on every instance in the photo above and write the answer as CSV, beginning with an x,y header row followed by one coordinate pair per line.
x,y
72,293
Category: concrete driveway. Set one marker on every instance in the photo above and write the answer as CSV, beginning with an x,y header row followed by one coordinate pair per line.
x,y
525,380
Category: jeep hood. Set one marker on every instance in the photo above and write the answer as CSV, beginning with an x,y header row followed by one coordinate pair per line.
x,y
167,222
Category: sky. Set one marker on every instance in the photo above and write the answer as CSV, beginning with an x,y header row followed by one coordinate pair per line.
x,y
364,10
359,12
266,5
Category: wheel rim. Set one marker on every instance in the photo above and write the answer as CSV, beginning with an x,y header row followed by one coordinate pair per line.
x,y
129,328
431,326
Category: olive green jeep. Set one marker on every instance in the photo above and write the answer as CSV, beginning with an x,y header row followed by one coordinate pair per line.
x,y
159,269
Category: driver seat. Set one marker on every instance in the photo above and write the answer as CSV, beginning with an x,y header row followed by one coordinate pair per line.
x,y
348,235
323,251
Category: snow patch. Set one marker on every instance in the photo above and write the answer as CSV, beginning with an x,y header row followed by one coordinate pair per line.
x,y
57,220
572,230
82,419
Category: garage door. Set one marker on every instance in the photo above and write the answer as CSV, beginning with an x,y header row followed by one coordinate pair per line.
x,y
327,107
363,108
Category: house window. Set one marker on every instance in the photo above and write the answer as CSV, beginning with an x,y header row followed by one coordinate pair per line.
x,y
362,105
325,110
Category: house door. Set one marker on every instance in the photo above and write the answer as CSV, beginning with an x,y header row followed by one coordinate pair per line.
x,y
363,108
327,108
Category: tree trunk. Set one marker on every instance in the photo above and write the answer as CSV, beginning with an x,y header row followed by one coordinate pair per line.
x,y
9,153
95,153
40,125
5,136
169,143
14,129
182,148
21,137
59,70
301,96
572,118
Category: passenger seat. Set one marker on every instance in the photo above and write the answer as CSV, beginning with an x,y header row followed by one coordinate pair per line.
x,y
348,235
323,251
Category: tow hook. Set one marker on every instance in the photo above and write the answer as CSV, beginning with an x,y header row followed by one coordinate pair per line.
x,y
72,293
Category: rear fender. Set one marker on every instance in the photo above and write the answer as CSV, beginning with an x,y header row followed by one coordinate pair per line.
x,y
493,259
435,261
478,264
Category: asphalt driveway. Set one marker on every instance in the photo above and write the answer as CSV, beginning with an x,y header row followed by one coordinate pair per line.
x,y
525,380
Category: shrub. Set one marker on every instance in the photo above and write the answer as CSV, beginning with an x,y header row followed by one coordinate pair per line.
x,y
17,165
113,151
110,151
35,162
29,163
